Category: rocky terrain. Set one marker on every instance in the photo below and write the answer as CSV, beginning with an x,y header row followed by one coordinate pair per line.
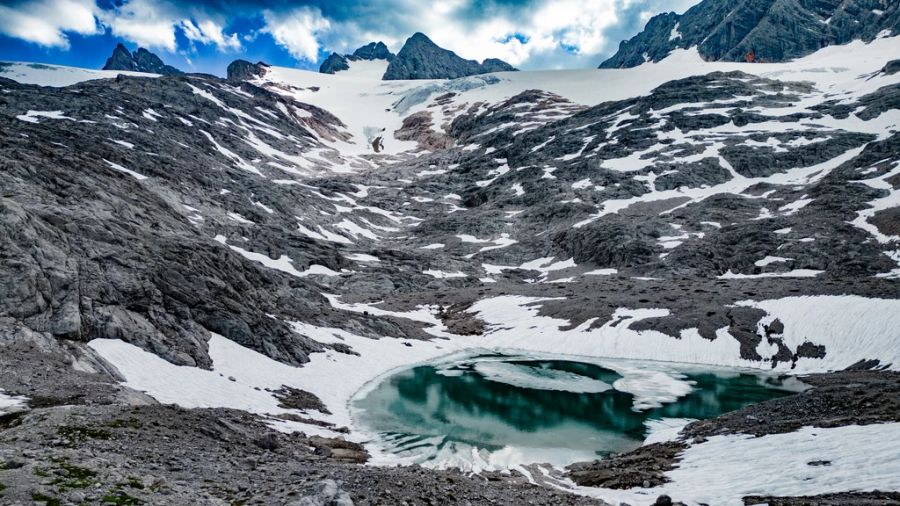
x,y
140,61
372,51
240,246
758,31
420,58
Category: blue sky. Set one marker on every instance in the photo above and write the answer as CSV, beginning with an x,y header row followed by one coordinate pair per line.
x,y
204,36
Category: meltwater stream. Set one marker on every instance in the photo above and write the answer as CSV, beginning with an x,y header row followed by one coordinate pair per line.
x,y
495,412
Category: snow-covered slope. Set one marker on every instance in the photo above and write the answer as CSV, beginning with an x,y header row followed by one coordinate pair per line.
x,y
44,74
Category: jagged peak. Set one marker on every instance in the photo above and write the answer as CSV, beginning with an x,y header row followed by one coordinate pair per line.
x,y
421,58
141,60
372,51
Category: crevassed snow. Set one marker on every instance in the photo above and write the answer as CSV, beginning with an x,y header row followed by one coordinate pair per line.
x,y
358,97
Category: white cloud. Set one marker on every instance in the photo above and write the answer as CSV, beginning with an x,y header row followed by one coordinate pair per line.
x,y
209,32
143,22
297,30
552,33
153,25
541,34
45,22
555,26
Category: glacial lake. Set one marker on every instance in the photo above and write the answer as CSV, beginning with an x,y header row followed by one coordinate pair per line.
x,y
495,412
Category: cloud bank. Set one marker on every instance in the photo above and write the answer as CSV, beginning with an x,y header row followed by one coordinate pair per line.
x,y
525,33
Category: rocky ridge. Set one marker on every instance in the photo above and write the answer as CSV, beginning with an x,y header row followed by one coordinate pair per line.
x,y
140,61
758,31
420,58
371,51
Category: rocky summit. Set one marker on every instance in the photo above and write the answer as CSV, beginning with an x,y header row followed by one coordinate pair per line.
x,y
140,61
758,30
203,277
420,58
242,70
369,52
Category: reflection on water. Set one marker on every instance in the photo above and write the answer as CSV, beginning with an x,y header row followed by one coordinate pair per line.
x,y
516,409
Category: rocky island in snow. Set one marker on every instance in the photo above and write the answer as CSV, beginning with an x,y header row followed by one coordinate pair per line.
x,y
413,278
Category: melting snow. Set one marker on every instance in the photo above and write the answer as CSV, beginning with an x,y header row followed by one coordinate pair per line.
x,y
115,166
32,116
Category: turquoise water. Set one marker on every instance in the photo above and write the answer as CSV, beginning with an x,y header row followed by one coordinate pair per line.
x,y
496,411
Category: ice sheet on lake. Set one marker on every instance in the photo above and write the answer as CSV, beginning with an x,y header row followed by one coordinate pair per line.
x,y
539,378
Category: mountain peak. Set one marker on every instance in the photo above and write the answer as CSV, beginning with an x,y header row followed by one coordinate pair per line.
x,y
242,70
419,37
141,60
421,58
371,51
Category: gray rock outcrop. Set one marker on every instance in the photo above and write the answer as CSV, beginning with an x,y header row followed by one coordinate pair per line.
x,y
371,51
758,30
139,61
420,58
334,63
242,70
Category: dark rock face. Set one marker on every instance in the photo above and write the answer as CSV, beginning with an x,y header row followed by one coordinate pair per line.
x,y
643,467
334,63
141,271
371,51
758,30
242,70
420,58
141,61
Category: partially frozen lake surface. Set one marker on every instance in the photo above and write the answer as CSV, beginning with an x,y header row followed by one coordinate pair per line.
x,y
495,412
